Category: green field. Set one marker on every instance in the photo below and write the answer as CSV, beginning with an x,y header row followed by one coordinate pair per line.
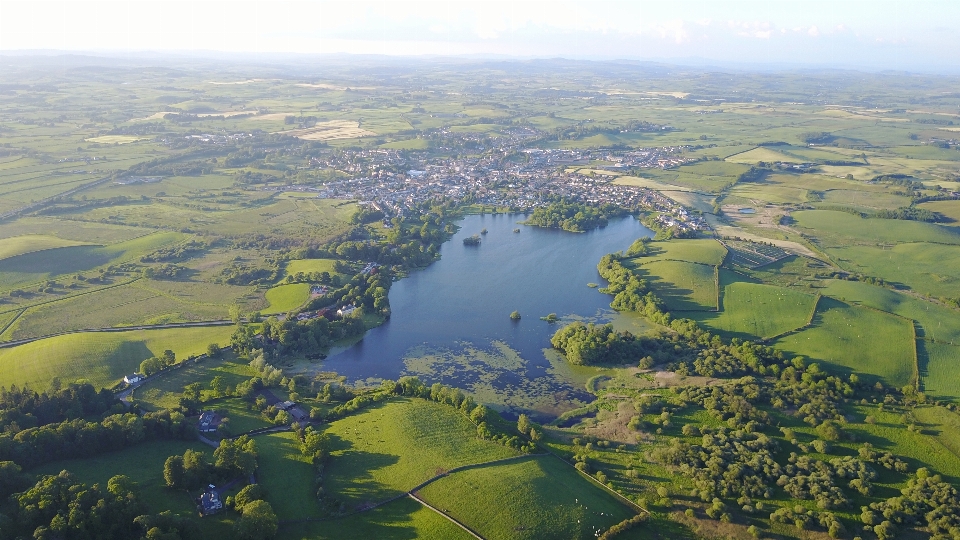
x,y
164,392
310,266
52,262
539,497
102,358
861,339
143,463
287,476
927,268
390,448
19,245
752,157
937,322
683,286
940,369
702,251
284,298
754,310
840,229
402,519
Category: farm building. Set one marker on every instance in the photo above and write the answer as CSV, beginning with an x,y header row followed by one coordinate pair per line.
x,y
133,379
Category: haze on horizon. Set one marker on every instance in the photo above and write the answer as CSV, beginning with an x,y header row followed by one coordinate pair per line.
x,y
878,34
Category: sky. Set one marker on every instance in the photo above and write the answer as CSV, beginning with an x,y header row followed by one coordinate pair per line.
x,y
921,35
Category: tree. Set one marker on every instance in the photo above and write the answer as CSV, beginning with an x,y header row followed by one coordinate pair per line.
x,y
168,358
218,385
523,424
258,521
213,350
247,495
173,473
150,366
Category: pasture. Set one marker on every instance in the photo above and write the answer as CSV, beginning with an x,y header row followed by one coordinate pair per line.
x,y
310,266
143,463
702,251
939,369
20,245
859,339
285,298
683,286
537,497
287,476
756,155
402,519
755,310
834,229
102,358
390,448
164,392
927,268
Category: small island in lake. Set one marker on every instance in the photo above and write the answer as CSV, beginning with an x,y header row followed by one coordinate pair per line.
x,y
484,231
516,230
515,315
472,240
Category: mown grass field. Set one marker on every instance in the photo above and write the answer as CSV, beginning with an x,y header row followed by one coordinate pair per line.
x,y
754,310
102,358
284,298
752,157
390,448
164,391
860,339
683,286
402,519
538,497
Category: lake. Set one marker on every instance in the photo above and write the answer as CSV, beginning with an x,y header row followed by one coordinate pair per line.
x,y
451,323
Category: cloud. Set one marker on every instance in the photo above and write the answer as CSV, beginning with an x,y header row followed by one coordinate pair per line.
x,y
813,31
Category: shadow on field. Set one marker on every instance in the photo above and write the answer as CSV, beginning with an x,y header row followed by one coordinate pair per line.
x,y
352,472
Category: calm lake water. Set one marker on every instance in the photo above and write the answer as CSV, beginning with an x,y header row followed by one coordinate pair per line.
x,y
450,322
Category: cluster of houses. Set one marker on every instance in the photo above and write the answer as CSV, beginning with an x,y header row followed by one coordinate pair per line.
x,y
328,313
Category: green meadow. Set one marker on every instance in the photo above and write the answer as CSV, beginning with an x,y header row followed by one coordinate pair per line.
x,y
683,286
537,497
390,448
859,339
102,358
754,310
284,298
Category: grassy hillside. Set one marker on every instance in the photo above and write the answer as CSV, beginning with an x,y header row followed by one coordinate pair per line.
x,y
284,298
754,310
861,339
683,286
102,358
392,447
399,520
539,497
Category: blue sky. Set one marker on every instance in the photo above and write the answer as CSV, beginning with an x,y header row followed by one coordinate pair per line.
x,y
876,34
